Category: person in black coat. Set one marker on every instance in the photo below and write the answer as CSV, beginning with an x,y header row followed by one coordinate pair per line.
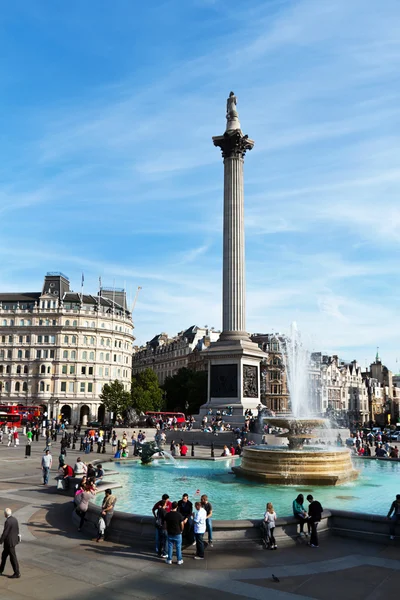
x,y
314,517
10,538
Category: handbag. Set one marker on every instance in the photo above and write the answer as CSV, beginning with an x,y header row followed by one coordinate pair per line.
x,y
101,525
60,484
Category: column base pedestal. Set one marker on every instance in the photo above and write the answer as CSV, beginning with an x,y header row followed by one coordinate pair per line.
x,y
233,374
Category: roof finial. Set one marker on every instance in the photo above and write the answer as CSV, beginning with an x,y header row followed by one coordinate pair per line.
x,y
232,116
377,359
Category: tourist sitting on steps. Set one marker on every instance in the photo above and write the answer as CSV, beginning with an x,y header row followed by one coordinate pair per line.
x,y
300,514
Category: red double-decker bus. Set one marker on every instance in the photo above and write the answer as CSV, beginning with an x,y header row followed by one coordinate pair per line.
x,y
19,415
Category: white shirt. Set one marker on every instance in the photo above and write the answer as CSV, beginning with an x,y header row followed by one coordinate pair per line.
x,y
200,517
270,519
47,460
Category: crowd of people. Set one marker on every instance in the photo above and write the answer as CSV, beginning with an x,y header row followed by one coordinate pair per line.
x,y
180,522
371,444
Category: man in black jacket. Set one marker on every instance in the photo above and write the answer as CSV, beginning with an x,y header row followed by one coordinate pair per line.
x,y
314,517
10,538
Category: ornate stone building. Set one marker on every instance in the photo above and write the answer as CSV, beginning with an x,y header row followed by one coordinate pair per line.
x,y
58,348
167,355
274,392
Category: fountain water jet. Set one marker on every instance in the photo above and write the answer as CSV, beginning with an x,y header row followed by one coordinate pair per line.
x,y
295,464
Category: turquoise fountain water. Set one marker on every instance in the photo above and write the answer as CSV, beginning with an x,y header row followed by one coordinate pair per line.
x,y
234,498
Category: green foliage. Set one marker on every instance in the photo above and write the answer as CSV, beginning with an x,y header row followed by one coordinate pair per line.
x,y
186,391
146,392
115,398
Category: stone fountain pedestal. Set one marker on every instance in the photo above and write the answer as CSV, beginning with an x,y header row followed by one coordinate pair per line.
x,y
297,464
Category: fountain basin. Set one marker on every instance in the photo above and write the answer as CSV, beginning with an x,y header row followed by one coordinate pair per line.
x,y
309,466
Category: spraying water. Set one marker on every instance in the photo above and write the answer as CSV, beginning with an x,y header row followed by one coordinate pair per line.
x,y
296,360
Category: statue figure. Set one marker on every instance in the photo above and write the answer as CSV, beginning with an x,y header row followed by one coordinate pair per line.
x,y
232,115
231,106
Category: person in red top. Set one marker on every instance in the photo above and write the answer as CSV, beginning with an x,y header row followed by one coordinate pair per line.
x,y
232,449
68,472
184,449
160,504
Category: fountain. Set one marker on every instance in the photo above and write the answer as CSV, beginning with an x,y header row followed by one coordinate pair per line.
x,y
296,464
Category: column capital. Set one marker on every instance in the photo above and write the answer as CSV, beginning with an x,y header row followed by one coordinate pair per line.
x,y
233,143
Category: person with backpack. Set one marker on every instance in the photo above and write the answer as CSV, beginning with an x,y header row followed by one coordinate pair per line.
x,y
314,517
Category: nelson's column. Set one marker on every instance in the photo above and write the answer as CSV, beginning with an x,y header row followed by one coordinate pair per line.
x,y
234,360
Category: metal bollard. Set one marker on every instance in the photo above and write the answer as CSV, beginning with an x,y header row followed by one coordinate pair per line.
x,y
192,453
212,450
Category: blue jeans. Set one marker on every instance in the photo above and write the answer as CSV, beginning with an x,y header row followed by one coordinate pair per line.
x,y
177,540
161,541
199,544
393,521
209,529
46,474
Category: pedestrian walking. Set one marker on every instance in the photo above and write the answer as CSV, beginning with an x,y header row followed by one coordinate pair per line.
x,y
199,520
314,517
10,538
107,513
161,533
174,527
47,461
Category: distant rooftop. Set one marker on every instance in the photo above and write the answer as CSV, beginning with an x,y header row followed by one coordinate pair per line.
x,y
56,274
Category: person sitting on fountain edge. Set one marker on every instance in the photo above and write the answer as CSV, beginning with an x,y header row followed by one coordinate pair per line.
x,y
300,514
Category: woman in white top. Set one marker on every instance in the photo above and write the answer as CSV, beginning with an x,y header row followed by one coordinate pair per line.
x,y
269,524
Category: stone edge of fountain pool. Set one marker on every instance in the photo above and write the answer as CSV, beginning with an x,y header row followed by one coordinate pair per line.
x,y
130,529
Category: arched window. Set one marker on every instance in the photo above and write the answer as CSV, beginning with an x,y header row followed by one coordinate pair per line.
x,y
26,353
65,354
26,369
91,356
7,386
43,369
84,355
74,339
93,324
75,323
24,387
8,369
67,322
86,323
1,368
4,322
101,355
85,339
41,387
47,322
102,341
66,339
17,386
19,354
22,322
73,354
102,325
49,369
18,369
107,356
92,340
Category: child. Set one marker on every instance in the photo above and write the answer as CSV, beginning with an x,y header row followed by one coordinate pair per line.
x,y
269,524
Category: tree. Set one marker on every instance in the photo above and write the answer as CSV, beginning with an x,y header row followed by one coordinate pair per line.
x,y
146,392
115,398
186,391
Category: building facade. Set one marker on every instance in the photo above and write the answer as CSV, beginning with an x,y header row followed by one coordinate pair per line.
x,y
274,390
59,348
167,355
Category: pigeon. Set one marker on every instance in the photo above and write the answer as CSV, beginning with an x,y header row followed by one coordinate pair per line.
x,y
274,578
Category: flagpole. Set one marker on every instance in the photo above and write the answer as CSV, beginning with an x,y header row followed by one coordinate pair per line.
x,y
82,282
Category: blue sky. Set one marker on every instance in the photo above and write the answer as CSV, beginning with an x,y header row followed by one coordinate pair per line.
x,y
107,164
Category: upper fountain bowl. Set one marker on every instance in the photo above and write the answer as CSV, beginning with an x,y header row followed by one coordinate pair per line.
x,y
297,425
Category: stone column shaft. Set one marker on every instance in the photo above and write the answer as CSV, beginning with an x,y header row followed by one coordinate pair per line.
x,y
233,292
